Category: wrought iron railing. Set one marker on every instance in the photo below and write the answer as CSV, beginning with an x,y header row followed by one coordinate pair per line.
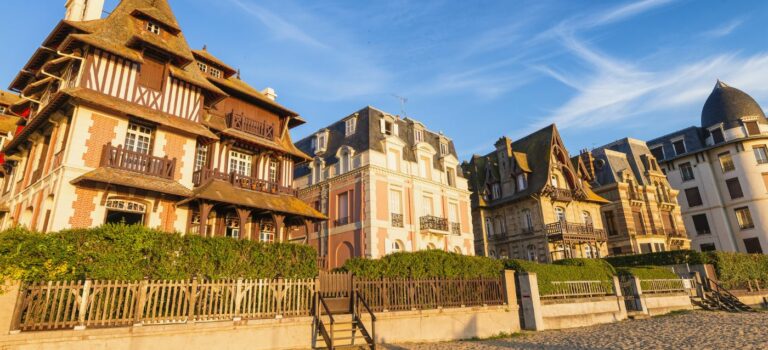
x,y
251,126
564,230
120,158
397,220
429,222
203,176
455,228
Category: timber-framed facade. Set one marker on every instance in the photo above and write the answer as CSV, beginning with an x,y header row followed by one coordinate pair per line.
x,y
123,122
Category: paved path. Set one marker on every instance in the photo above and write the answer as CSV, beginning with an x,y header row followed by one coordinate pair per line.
x,y
693,330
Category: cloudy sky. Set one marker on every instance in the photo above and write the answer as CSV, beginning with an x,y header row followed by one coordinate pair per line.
x,y
475,70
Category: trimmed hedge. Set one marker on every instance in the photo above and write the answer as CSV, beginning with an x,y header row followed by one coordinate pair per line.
x,y
424,264
671,257
134,252
647,272
564,270
735,269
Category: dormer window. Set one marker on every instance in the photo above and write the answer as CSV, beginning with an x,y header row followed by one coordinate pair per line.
x,y
203,67
444,148
717,134
522,182
214,72
679,146
350,126
658,152
153,28
495,191
320,142
751,127
418,135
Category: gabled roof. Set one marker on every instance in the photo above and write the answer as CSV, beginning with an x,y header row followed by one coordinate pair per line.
x,y
207,57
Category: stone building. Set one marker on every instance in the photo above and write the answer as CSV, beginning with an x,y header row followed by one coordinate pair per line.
x,y
386,184
643,215
721,170
123,122
530,201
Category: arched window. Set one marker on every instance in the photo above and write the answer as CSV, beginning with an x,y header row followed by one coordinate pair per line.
x,y
560,214
125,212
397,246
586,217
527,221
431,246
531,252
588,251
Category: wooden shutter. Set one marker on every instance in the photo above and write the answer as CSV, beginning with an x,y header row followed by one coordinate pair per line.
x,y
752,128
152,73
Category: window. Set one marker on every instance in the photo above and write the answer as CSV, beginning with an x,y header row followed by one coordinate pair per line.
x,y
345,161
693,196
444,148
717,135
451,176
527,221
752,128
453,213
554,181
496,191
761,154
522,183
679,147
124,212
560,214
658,152
726,162
232,226
686,172
272,170
203,67
646,248
240,163
418,135
201,157
397,246
138,138
349,126
342,215
610,224
431,246
488,227
320,143
153,28
707,247
428,207
734,188
152,73
586,217
424,167
659,247
744,218
700,224
387,127
214,72
395,201
267,232
393,159
317,171
531,252
752,246
588,251
637,217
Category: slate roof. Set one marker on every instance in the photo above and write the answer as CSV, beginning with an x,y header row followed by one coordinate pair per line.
x,y
368,136
621,155
728,105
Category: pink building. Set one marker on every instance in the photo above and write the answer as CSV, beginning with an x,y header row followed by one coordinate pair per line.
x,y
386,184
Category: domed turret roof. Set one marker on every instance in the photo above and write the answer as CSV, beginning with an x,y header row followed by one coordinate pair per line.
x,y
728,105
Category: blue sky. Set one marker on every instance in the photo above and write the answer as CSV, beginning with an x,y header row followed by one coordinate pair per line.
x,y
475,70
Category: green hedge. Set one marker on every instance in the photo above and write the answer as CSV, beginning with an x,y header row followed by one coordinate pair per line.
x,y
647,272
564,270
672,257
135,252
424,264
735,269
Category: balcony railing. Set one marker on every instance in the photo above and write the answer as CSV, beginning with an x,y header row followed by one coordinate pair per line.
x,y
562,194
433,223
568,231
203,176
120,158
455,228
251,126
397,220
635,196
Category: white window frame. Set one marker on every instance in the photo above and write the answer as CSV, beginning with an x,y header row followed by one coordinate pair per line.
x,y
203,67
153,28
201,156
350,126
395,201
427,205
496,191
418,135
522,182
443,148
214,72
240,163
272,165
675,140
138,138
453,212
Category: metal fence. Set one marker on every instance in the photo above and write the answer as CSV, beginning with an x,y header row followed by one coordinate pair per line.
x,y
68,304
577,289
408,294
666,286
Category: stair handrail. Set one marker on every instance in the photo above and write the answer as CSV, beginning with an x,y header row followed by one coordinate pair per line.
x,y
721,290
328,338
359,297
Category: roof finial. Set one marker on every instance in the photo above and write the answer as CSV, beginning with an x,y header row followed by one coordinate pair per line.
x,y
205,47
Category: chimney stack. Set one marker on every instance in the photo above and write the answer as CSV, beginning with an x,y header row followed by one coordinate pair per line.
x,y
270,93
83,10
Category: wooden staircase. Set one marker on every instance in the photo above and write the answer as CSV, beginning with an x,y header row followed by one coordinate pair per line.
x,y
338,323
719,298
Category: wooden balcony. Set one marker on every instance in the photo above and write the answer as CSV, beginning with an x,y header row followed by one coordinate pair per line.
x,y
573,232
239,121
203,176
433,224
562,194
145,164
397,220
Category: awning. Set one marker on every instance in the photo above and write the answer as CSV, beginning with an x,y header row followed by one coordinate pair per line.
x,y
131,179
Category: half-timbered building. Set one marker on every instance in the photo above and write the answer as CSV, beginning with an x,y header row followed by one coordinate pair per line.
x,y
530,201
123,122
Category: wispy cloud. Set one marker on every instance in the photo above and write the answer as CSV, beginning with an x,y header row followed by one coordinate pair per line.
x,y
623,12
281,27
723,30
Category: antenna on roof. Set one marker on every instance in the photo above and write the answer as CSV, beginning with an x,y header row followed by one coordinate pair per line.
x,y
403,101
238,74
205,47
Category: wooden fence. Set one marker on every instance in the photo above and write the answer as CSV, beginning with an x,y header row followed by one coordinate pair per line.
x,y
578,289
71,304
409,294
335,284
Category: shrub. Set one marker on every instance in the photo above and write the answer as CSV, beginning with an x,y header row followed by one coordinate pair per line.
x,y
564,270
424,264
647,272
671,257
735,269
135,252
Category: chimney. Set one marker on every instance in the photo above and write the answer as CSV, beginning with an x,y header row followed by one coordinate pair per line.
x,y
83,10
589,161
270,93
